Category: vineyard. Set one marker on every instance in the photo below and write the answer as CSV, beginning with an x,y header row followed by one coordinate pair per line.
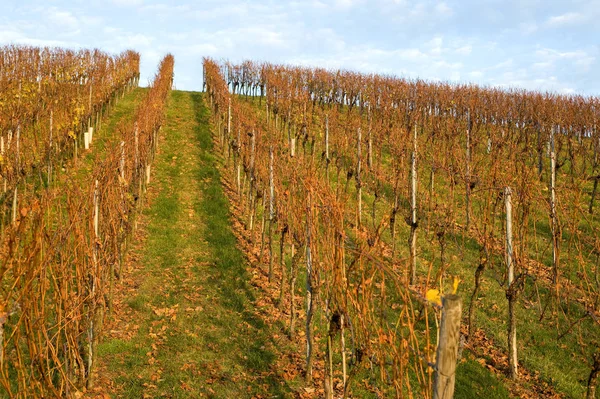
x,y
307,233
66,212
387,197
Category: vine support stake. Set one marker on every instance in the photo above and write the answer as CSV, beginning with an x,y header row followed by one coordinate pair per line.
x,y
511,292
447,351
413,214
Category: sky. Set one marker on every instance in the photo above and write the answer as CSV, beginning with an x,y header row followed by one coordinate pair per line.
x,y
544,45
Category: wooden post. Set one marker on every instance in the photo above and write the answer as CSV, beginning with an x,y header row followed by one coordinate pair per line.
x,y
122,161
596,144
2,154
271,212
293,276
96,210
413,207
18,149
49,172
309,294
512,330
90,101
553,219
14,206
228,116
327,146
358,182
540,150
468,174
250,196
239,166
447,351
136,143
370,141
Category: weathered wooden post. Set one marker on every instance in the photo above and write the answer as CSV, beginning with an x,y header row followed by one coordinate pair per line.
x,y
358,181
327,146
14,206
309,294
122,161
468,173
553,216
96,210
238,166
413,212
2,154
271,211
136,148
447,351
250,225
49,149
511,292
370,141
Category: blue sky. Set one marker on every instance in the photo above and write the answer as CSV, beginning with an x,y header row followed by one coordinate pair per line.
x,y
534,44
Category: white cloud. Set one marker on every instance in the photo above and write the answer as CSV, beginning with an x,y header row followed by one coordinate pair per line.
x,y
444,9
128,3
135,40
578,58
63,19
527,28
435,45
345,4
476,75
10,36
464,50
565,19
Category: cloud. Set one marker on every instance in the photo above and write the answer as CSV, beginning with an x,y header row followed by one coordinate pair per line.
x,y
346,4
444,9
569,18
464,50
527,28
135,40
578,58
63,19
10,36
128,3
476,75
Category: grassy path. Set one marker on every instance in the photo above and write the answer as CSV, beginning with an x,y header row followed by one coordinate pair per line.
x,y
185,322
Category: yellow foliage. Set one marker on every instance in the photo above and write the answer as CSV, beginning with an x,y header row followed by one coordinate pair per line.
x,y
433,296
455,282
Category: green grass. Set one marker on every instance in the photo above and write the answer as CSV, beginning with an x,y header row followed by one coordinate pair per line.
x,y
216,345
474,381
